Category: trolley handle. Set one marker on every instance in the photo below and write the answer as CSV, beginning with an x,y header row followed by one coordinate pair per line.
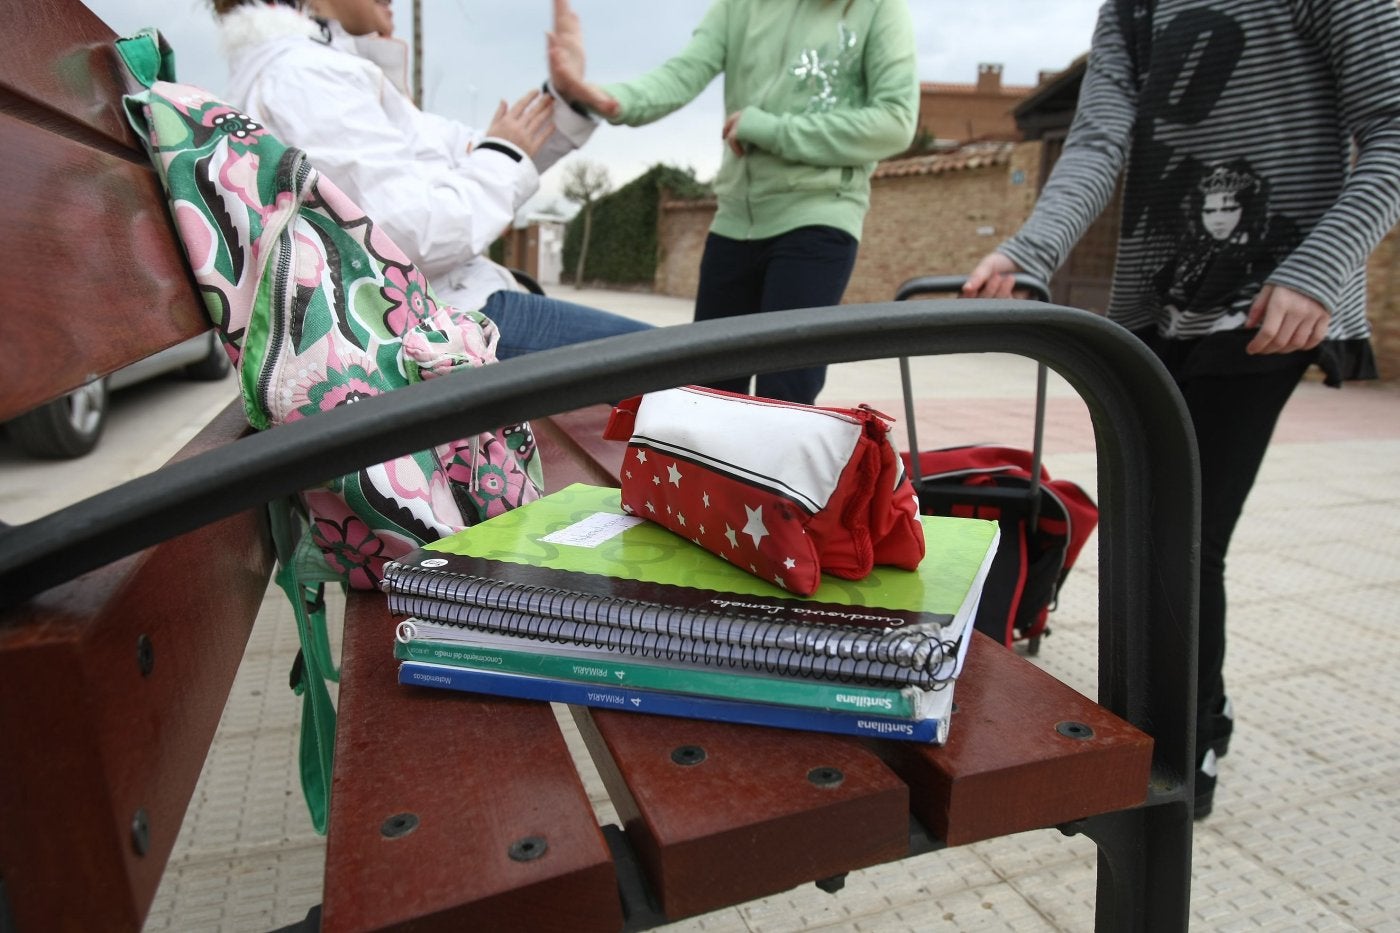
x,y
952,285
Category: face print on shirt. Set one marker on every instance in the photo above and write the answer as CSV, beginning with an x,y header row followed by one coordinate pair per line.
x,y
1227,247
1220,214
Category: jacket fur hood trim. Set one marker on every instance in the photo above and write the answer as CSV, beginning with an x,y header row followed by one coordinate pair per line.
x,y
252,24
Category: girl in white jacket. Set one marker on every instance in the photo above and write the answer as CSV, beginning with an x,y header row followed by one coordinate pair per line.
x,y
443,191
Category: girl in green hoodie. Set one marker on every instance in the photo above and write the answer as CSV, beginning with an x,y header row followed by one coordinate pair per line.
x,y
817,92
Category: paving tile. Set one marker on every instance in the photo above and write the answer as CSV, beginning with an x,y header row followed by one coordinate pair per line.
x,y
1014,857
1063,893
1339,852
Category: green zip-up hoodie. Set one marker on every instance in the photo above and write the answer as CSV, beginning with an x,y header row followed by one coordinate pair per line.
x,y
827,88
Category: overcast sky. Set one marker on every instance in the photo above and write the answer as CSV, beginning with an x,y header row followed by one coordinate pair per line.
x,y
474,56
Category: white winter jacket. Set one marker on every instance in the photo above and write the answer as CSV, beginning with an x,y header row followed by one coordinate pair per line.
x,y
442,191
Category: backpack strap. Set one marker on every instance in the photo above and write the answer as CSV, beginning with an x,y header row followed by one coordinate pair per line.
x,y
147,56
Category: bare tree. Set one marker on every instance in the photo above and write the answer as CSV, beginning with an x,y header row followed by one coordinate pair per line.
x,y
417,80
585,183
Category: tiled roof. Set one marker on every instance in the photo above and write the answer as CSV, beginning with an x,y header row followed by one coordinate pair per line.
x,y
973,155
689,204
1005,90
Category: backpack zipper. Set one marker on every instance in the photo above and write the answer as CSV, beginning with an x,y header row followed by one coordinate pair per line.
x,y
281,293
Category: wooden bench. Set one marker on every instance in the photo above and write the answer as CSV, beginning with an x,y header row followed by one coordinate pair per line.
x,y
124,618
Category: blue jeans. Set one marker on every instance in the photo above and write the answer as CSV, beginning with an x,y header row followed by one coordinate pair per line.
x,y
804,268
530,322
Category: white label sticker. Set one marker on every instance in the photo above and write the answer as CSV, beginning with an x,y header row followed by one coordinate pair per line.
x,y
593,530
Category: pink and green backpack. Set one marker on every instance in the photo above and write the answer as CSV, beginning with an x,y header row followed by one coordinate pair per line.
x,y
317,307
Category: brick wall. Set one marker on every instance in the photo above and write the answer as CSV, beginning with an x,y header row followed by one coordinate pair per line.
x,y
1383,292
680,239
938,224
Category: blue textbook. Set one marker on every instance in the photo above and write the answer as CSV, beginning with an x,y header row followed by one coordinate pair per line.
x,y
933,730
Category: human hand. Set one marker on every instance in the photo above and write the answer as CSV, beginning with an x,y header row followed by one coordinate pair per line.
x,y
526,124
1287,321
993,277
731,132
565,51
568,63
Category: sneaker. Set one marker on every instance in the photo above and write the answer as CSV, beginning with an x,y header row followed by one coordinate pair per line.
x,y
1205,784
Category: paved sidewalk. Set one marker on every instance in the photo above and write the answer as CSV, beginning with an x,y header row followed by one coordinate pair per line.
x,y
1306,829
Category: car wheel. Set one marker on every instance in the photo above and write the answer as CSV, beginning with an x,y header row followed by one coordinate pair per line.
x,y
64,428
214,366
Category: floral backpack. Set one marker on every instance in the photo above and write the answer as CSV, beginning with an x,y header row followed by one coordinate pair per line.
x,y
318,308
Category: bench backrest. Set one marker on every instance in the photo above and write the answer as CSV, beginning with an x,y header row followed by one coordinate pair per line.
x,y
113,684
93,277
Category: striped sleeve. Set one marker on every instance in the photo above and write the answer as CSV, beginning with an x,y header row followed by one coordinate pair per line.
x,y
1096,148
1360,40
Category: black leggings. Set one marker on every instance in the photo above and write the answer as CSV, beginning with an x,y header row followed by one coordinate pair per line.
x,y
803,268
1234,418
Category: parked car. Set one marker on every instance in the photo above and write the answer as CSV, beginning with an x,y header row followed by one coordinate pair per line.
x,y
71,426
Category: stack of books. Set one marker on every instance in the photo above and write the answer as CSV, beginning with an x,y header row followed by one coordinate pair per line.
x,y
570,600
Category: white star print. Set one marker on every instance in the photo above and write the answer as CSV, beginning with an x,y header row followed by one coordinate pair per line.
x,y
675,475
790,564
706,499
733,538
641,456
656,481
754,528
650,507
680,518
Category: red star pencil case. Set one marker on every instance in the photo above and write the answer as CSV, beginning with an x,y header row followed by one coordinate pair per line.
x,y
783,490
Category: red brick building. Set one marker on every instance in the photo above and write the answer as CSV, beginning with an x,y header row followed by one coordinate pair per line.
x,y
951,114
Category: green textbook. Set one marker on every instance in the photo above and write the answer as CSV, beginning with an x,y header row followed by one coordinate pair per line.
x,y
575,556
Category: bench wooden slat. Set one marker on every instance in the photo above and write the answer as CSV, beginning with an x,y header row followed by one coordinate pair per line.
x,y
59,57
107,746
64,207
480,775
1007,768
763,811
572,448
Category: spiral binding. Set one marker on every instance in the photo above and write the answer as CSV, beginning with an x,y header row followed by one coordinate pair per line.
x,y
920,650
770,659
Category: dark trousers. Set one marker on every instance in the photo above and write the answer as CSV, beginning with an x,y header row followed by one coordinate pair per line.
x,y
803,268
1234,418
